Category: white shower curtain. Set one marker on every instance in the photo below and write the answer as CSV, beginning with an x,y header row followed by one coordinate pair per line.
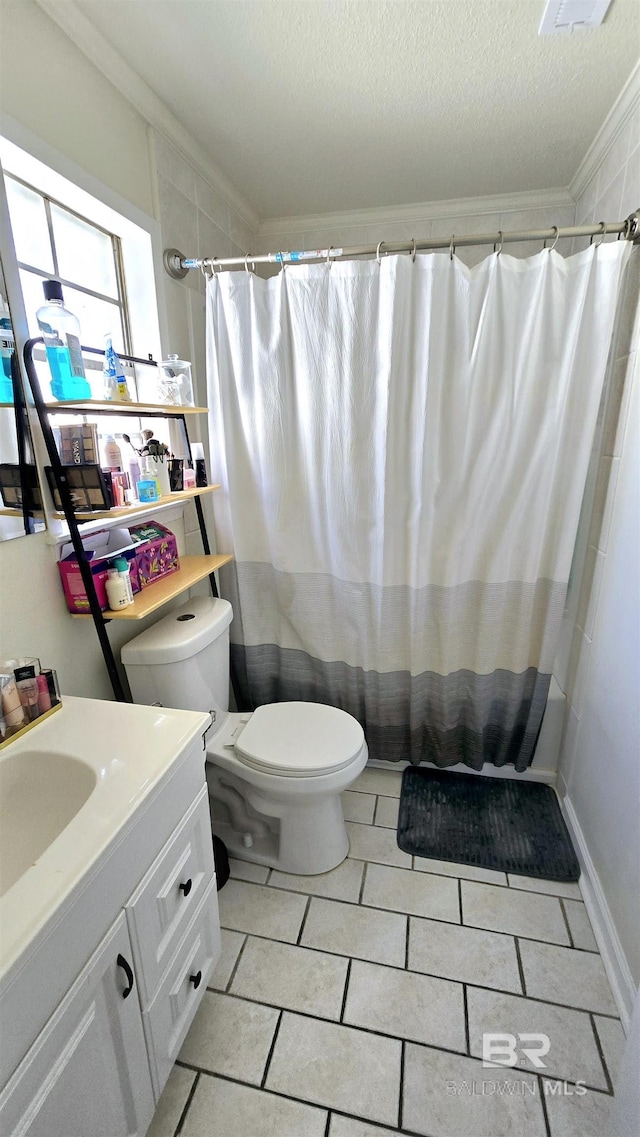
x,y
403,450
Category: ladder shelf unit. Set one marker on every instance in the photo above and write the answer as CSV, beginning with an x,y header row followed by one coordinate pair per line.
x,y
192,568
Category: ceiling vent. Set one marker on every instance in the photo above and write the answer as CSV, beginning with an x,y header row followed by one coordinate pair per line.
x,y
569,15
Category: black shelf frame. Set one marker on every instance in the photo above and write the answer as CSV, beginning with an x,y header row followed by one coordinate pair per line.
x,y
43,412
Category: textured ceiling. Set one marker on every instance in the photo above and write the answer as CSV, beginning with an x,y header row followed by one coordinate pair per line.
x,y
320,105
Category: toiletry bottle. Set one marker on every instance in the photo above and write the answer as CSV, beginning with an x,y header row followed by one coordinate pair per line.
x,y
61,333
116,590
121,564
11,706
147,489
133,469
109,376
197,451
112,457
188,478
148,475
113,367
44,698
7,345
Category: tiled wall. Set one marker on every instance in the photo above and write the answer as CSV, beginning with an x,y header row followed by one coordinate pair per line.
x,y
612,193
599,774
195,219
340,234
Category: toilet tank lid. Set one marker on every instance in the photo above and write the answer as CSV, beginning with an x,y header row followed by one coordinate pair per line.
x,y
182,634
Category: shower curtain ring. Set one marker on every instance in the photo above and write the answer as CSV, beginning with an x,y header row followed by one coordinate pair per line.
x,y
414,249
246,267
556,234
380,244
206,268
603,232
498,251
283,262
452,247
329,252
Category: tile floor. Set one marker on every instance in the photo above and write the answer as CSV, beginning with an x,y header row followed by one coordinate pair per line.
x,y
353,1004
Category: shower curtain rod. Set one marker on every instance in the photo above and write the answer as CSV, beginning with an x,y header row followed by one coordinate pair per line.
x,y
178,265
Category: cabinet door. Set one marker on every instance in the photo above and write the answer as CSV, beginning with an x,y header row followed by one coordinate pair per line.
x,y
87,1074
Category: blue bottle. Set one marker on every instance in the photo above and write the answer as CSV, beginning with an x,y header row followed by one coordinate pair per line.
x,y
61,333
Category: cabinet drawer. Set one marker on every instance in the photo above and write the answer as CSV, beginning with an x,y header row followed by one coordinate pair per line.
x,y
160,909
169,1017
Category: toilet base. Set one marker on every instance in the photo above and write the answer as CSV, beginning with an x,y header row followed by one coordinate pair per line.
x,y
294,825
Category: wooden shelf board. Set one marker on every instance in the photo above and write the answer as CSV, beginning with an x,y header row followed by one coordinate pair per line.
x,y
85,406
191,571
120,513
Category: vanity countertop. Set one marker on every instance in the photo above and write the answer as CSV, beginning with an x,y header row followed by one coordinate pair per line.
x,y
68,790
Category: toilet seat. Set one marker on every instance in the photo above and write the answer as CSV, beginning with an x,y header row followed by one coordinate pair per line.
x,y
299,739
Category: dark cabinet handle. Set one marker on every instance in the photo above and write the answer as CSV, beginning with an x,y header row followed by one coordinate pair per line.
x,y
186,887
195,979
121,961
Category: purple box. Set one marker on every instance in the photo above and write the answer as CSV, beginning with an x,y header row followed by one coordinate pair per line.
x,y
156,552
100,547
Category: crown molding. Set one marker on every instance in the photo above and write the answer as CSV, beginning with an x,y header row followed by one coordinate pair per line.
x,y
81,31
614,123
418,211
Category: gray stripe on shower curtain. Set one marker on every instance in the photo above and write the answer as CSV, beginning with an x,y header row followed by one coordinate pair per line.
x,y
495,718
444,714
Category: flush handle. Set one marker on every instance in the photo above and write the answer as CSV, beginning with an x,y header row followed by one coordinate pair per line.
x,y
195,979
126,967
186,887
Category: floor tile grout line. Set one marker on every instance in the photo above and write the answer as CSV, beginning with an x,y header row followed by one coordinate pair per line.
x,y
601,1052
418,915
466,1018
345,992
566,920
236,964
362,880
460,899
304,920
523,982
333,1111
358,1117
328,1124
429,974
379,1033
545,1115
406,946
401,1087
267,1064
185,1109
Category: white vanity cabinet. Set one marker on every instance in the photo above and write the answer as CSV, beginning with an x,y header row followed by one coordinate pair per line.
x,y
87,1074
93,1014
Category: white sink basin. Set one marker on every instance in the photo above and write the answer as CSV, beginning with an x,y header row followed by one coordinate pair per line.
x,y
68,790
39,795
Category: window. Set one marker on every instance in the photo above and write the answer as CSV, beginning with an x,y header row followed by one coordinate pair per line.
x,y
52,240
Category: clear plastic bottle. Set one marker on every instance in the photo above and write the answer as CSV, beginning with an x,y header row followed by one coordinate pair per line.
x,y
61,333
7,345
115,380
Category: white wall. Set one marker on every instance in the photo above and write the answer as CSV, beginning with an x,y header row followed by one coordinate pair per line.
x,y
600,760
62,99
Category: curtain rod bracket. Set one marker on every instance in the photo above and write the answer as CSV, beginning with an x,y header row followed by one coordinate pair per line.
x,y
633,227
173,263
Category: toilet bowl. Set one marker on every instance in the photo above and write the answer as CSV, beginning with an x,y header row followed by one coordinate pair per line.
x,y
275,776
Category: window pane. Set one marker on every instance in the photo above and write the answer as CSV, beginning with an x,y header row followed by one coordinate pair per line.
x,y
85,254
97,318
29,225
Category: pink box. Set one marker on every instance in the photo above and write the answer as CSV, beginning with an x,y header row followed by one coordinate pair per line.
x,y
156,552
100,547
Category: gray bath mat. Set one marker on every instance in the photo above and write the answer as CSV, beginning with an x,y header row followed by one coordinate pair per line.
x,y
492,823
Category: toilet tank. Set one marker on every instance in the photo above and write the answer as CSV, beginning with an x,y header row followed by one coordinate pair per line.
x,y
183,660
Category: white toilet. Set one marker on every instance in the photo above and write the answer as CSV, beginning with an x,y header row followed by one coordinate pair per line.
x,y
275,776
